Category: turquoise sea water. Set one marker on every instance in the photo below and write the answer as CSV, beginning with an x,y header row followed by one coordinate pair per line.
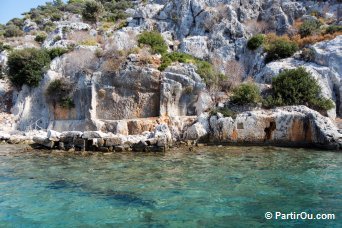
x,y
210,187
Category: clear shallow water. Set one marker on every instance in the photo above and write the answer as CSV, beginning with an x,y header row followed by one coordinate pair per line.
x,y
211,187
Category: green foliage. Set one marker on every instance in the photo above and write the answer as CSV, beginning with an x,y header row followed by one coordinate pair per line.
x,y
279,49
154,40
40,37
297,87
57,38
321,103
75,7
309,27
27,66
58,92
56,52
13,31
4,47
89,42
168,58
92,11
67,103
56,17
115,10
57,3
226,112
246,93
121,25
256,41
49,26
331,29
204,68
207,72
16,21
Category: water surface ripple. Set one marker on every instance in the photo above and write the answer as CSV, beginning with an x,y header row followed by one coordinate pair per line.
x,y
211,187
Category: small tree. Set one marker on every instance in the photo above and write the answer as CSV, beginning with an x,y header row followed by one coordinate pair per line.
x,y
154,40
279,48
309,27
298,87
246,93
13,31
92,11
27,66
255,42
40,37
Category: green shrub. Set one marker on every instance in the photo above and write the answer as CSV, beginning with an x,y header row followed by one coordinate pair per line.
x,y
207,72
256,41
309,27
58,92
67,103
56,17
321,104
204,68
280,48
49,26
57,38
40,38
333,28
17,22
154,40
246,93
13,31
74,7
92,11
56,52
298,87
4,47
226,112
27,66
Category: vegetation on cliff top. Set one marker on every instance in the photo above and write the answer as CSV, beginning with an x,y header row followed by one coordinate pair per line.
x,y
27,66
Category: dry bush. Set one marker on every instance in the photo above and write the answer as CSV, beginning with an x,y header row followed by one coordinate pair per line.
x,y
79,36
217,14
112,65
144,56
101,93
256,27
80,60
84,38
232,70
302,42
272,37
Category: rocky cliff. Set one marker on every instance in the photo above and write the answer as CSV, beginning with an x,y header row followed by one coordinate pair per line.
x,y
118,86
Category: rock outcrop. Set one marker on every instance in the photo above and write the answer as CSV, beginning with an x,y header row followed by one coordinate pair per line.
x,y
325,68
290,126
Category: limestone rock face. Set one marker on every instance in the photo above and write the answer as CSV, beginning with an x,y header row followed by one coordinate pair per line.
x,y
29,26
199,129
180,90
329,53
292,125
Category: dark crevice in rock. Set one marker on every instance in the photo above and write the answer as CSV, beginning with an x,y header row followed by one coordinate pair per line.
x,y
269,130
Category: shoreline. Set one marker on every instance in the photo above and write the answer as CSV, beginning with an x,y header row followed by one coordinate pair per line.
x,y
190,146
